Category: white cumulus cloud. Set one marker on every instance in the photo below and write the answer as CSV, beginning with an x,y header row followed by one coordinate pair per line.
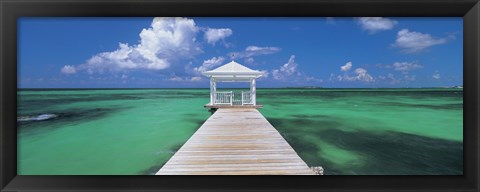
x,y
265,74
68,69
209,64
289,72
214,35
360,74
167,39
376,24
414,42
286,70
346,67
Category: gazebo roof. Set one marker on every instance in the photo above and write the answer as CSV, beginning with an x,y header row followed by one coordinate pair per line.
x,y
233,71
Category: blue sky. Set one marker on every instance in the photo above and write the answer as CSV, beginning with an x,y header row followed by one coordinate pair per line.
x,y
359,52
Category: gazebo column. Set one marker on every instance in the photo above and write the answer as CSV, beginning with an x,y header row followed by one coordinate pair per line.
x,y
213,90
253,91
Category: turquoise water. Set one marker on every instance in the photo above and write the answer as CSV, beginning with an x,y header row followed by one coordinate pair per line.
x,y
347,131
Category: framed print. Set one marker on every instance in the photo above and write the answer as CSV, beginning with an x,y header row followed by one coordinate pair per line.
x,y
235,95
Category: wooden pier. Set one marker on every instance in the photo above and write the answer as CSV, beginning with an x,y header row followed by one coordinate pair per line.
x,y
236,141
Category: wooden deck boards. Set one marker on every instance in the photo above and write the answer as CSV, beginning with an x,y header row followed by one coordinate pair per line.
x,y
236,141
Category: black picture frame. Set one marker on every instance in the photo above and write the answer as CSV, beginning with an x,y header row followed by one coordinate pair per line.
x,y
11,10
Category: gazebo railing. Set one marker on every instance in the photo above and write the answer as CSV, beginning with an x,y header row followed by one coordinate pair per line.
x,y
224,97
247,98
237,98
233,98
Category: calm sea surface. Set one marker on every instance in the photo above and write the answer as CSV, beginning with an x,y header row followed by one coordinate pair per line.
x,y
347,131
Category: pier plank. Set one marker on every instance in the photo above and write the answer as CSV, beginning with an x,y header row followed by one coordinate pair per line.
x,y
236,141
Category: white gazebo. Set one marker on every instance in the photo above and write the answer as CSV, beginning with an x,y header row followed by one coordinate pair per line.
x,y
232,72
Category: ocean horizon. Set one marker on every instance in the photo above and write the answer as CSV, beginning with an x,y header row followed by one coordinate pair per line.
x,y
134,131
